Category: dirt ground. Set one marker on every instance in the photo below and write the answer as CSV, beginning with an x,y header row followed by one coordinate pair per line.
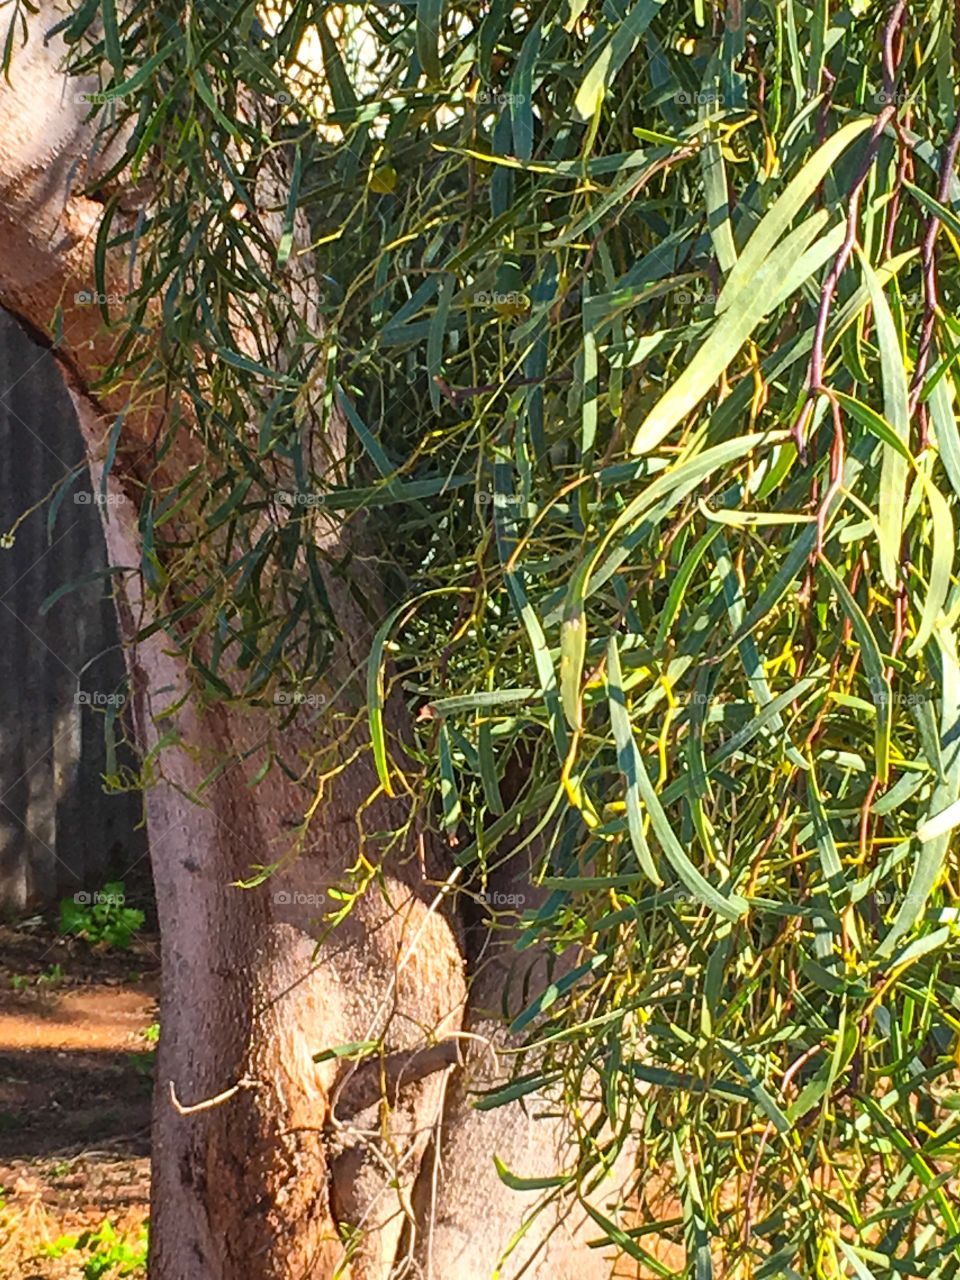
x,y
75,1081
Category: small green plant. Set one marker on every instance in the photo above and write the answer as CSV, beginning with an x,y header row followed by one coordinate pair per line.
x,y
110,1254
143,1063
52,977
101,917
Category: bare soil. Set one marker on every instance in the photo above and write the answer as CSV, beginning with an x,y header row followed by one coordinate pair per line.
x,y
75,1084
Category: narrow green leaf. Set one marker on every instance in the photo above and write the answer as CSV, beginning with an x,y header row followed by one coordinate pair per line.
x,y
880,692
929,859
893,472
946,216
785,208
628,759
365,435
521,93
355,1051
516,1183
548,997
375,698
480,701
573,648
449,795
246,365
519,1088
611,54
488,768
726,337
679,584
286,235
111,35
941,402
942,520
718,205
438,331
730,906
429,15
341,90
826,845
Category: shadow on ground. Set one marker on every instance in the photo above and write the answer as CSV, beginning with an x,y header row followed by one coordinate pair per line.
x,y
76,1065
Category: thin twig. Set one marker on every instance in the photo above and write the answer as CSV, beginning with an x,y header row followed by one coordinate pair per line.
x,y
209,1103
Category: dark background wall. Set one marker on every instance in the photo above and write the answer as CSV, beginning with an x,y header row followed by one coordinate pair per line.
x,y
62,670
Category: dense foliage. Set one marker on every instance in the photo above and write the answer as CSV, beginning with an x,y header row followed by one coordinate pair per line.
x,y
641,317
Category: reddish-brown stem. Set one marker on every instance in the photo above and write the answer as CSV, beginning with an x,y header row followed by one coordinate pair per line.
x,y
829,287
929,261
836,472
788,1075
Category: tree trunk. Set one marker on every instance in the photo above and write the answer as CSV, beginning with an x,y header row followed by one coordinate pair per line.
x,y
243,1127
267,1165
242,1117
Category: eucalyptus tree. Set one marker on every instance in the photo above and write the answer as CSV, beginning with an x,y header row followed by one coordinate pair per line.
x,y
530,442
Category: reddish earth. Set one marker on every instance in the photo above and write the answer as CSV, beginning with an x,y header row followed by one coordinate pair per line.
x,y
75,1081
